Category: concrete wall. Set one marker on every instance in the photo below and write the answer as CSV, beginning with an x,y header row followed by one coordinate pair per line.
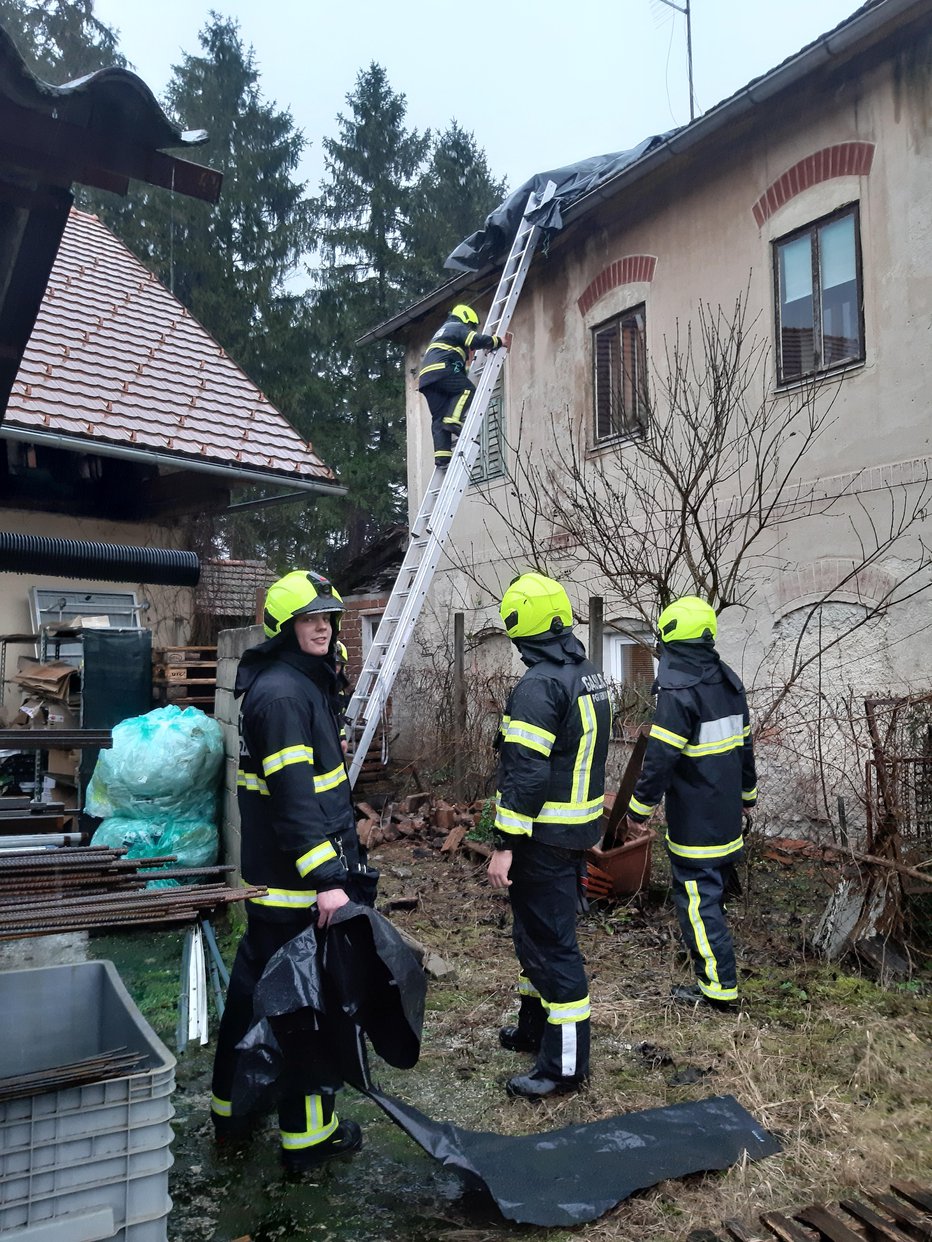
x,y
230,646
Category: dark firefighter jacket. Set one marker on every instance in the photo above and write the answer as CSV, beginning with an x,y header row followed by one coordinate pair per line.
x,y
552,746
699,754
449,350
293,791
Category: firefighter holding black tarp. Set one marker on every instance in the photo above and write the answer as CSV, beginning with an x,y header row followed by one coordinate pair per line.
x,y
298,841
551,787
700,758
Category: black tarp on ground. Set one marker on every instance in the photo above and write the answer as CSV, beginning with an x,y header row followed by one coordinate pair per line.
x,y
370,983
492,241
574,1175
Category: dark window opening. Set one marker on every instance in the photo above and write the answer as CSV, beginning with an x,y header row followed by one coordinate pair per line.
x,y
620,361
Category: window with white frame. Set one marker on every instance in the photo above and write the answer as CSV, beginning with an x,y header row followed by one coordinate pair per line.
x,y
490,462
619,356
818,295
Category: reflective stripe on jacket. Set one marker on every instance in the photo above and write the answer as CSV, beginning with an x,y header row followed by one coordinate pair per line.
x,y
700,758
449,350
552,748
294,798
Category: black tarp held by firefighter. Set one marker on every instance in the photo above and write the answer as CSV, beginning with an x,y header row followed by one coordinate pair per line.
x,y
370,984
573,181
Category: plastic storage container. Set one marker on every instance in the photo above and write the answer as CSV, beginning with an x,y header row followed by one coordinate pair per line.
x,y
77,1161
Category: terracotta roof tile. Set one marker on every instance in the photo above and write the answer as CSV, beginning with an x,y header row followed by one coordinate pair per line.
x,y
115,357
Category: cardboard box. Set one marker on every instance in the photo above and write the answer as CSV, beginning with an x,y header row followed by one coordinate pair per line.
x,y
63,763
48,681
36,713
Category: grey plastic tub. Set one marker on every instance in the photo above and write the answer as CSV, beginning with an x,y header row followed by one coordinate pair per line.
x,y
69,1156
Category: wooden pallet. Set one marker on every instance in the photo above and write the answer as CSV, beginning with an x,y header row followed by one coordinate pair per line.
x,y
904,1215
186,676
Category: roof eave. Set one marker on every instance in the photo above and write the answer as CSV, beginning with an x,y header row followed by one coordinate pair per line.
x,y
244,475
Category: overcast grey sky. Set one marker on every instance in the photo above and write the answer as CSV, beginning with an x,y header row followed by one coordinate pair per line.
x,y
539,85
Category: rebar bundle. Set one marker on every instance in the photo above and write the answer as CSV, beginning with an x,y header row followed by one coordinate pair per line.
x,y
90,887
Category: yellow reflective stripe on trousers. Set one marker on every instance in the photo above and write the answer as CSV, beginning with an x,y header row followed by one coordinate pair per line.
x,y
582,769
330,780
288,755
526,987
699,932
571,1011
512,821
223,1108
313,858
316,1131
522,733
704,851
671,739
285,898
251,781
639,808
570,812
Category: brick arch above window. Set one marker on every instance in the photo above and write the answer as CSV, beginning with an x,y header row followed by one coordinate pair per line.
x,y
846,159
627,271
829,580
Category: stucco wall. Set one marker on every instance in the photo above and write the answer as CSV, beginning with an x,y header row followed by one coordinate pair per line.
x,y
859,133
170,608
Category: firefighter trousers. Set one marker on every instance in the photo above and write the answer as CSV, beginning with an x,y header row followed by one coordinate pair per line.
x,y
306,1113
554,990
699,891
448,399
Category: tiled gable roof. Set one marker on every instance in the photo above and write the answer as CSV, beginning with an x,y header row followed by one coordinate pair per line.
x,y
115,357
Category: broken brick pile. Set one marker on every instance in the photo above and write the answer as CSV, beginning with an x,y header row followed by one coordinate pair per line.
x,y
423,820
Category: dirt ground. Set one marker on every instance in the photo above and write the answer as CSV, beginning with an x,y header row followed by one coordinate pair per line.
x,y
837,1068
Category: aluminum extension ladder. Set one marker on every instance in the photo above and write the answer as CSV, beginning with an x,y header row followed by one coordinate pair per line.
x,y
438,506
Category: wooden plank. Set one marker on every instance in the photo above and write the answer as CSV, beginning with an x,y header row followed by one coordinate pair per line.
x,y
828,1225
786,1230
878,1227
743,1233
912,1192
905,1214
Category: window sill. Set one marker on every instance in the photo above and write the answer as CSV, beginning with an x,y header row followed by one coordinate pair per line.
x,y
817,377
606,446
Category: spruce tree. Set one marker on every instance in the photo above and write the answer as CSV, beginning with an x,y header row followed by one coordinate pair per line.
x,y
453,196
60,40
362,223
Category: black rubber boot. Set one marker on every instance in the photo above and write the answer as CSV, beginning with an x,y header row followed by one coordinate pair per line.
x,y
692,994
344,1141
516,1040
531,1087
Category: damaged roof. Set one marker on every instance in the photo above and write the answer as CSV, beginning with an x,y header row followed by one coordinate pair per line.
x,y
582,186
100,130
116,364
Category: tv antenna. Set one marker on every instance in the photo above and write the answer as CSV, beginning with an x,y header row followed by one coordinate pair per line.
x,y
684,9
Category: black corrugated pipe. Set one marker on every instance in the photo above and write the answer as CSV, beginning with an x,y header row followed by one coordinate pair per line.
x,y
86,558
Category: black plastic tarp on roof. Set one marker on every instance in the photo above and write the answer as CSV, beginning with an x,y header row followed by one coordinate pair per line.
x,y
572,182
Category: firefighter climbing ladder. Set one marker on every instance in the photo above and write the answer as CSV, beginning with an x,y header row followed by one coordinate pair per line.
x,y
438,506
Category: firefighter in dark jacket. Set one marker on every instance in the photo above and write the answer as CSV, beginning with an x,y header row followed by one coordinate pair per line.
x,y
443,377
700,758
551,784
298,840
